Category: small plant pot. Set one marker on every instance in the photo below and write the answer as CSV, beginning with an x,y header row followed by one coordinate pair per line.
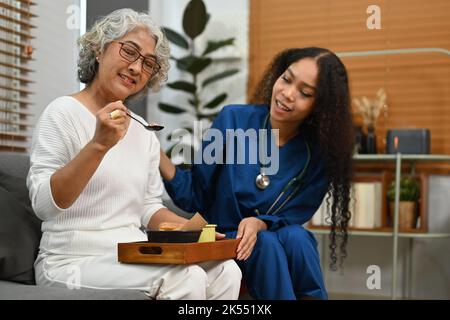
x,y
407,214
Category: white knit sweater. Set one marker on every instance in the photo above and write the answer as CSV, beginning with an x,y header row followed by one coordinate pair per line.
x,y
122,195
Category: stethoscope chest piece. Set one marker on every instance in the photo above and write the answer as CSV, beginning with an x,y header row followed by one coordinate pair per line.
x,y
262,181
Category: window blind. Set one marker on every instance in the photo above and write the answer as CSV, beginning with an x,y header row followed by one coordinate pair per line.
x,y
15,52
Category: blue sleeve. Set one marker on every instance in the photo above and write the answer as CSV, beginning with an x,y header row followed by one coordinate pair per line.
x,y
301,208
194,190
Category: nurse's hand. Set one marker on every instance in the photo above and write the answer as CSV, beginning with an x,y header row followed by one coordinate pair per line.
x,y
248,230
220,236
166,167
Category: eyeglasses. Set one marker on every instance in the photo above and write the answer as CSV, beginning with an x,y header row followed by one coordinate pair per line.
x,y
149,64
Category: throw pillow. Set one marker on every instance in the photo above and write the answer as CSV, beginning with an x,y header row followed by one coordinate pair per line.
x,y
20,234
16,186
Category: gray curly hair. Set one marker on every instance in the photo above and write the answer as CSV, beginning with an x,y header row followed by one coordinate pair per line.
x,y
114,26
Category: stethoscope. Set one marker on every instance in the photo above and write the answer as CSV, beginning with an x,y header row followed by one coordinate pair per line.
x,y
263,181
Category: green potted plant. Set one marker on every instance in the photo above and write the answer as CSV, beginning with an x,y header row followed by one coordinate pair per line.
x,y
195,65
409,198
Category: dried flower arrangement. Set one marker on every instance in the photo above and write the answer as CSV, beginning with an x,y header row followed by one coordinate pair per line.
x,y
370,109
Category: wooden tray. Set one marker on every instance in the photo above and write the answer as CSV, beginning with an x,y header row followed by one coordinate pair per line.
x,y
176,253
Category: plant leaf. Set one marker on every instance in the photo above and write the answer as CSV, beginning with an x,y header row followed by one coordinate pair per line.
x,y
198,65
216,101
195,18
169,151
170,108
183,146
176,38
219,76
192,102
192,64
215,45
185,62
183,86
209,116
169,136
191,131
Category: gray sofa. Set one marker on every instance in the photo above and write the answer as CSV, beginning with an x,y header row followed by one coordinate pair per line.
x,y
19,242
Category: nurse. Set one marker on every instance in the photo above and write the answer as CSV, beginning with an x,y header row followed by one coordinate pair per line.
x,y
302,101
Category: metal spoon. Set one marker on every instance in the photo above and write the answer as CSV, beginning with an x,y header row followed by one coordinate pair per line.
x,y
148,126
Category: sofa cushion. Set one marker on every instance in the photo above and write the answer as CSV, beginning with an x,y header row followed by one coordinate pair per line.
x,y
17,291
15,163
20,234
16,186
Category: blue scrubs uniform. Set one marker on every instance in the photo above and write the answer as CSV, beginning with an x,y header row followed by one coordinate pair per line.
x,y
284,263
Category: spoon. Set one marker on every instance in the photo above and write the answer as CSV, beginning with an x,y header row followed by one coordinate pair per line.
x,y
148,126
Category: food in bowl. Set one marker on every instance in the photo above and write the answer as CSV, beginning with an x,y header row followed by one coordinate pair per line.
x,y
173,236
169,226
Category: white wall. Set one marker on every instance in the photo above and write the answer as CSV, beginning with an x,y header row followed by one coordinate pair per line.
x,y
55,54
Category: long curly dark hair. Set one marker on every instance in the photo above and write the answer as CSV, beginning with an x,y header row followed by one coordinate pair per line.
x,y
330,123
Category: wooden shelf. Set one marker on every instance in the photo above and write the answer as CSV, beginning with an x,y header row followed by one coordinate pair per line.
x,y
386,175
431,164
382,232
387,230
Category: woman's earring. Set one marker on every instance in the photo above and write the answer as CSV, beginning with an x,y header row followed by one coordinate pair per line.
x,y
96,58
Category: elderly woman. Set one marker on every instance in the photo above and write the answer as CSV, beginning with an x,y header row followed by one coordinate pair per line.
x,y
94,178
